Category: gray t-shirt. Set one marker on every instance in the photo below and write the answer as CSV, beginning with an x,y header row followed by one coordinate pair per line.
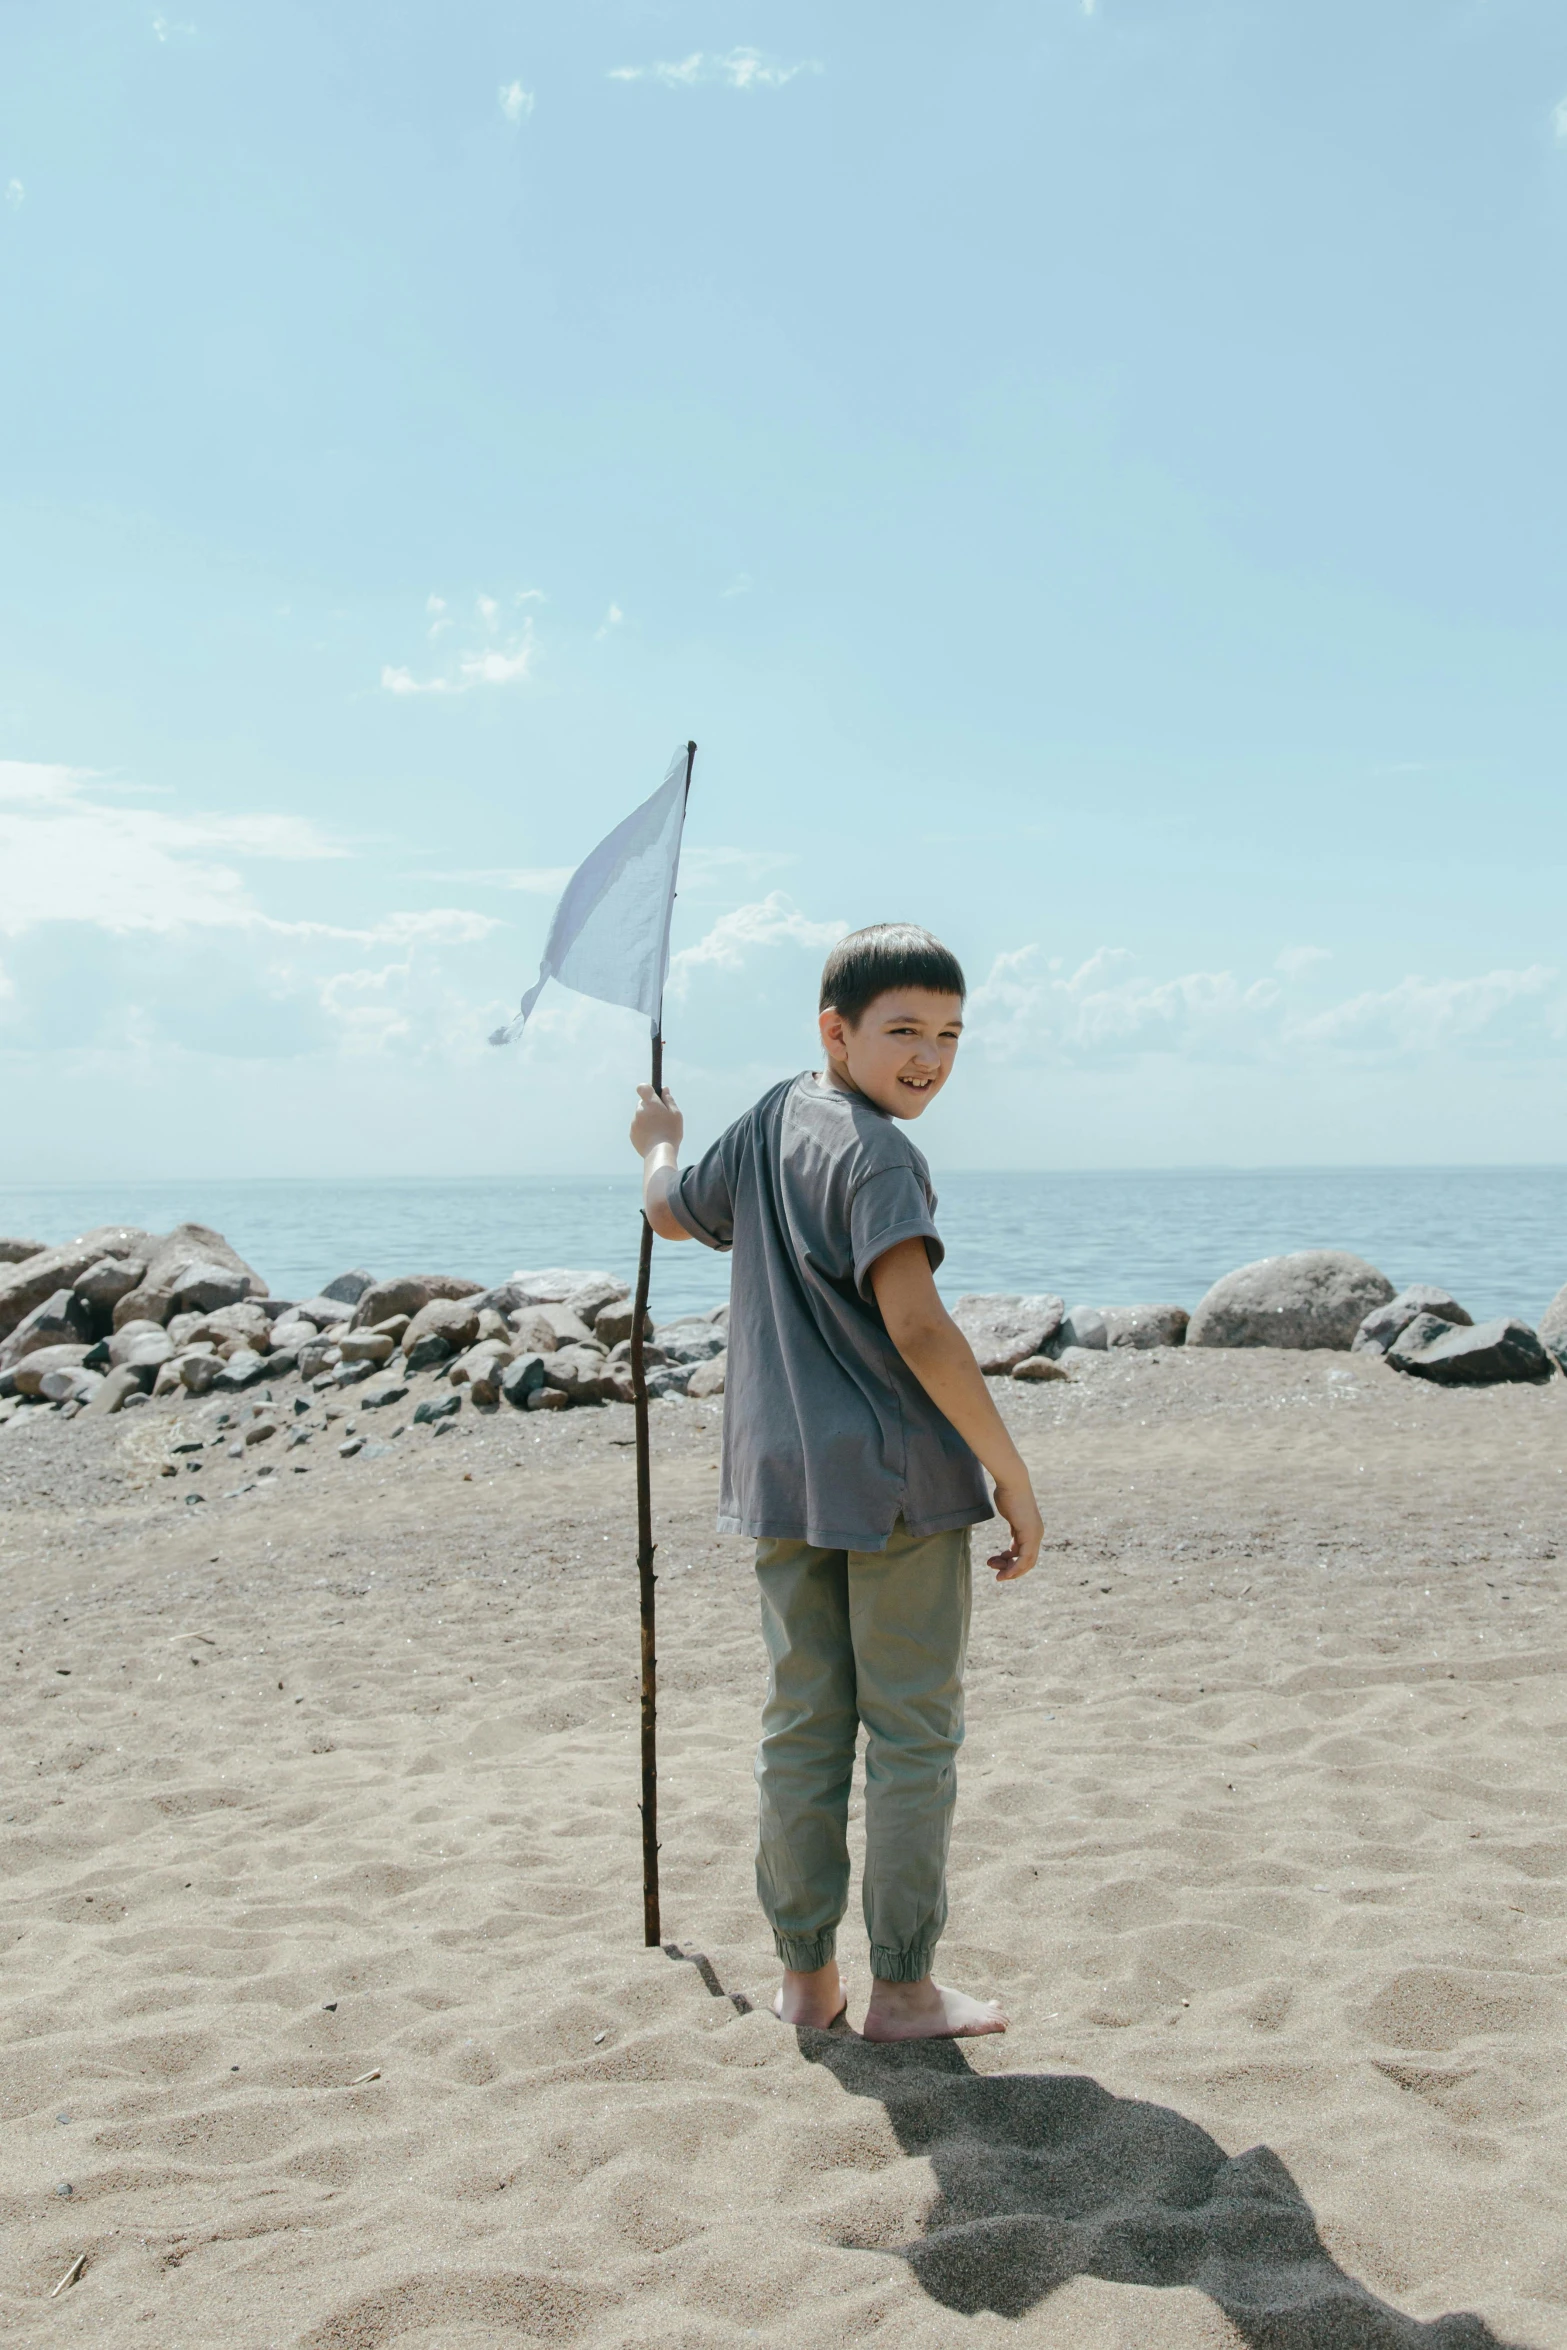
x,y
828,1436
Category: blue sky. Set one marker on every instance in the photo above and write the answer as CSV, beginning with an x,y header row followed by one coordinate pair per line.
x,y
1089,476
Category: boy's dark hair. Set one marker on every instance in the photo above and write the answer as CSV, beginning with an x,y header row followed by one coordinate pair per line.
x,y
889,954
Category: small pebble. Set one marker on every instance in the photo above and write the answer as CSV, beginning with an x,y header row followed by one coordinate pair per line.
x,y
347,1451
598,2037
64,2188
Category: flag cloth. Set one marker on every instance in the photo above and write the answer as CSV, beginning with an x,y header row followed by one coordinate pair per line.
x,y
610,935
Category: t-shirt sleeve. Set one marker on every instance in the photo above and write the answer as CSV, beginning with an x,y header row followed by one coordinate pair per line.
x,y
703,1199
888,1207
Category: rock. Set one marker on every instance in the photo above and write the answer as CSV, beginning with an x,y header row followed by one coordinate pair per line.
x,y
294,1335
60,1319
191,1269
668,1379
427,1351
324,1312
244,1369
493,1326
588,1300
16,1252
395,1327
549,1399
520,1378
104,1284
1551,1330
476,1362
350,1374
349,1446
27,1376
206,1288
612,1323
532,1332
69,1386
31,1279
437,1407
376,1399
485,1385
245,1323
690,1341
199,1372
406,1295
708,1378
1003,1329
368,1346
259,1432
1483,1356
1145,1326
651,1354
455,1320
1039,1367
1317,1297
148,1351
1386,1322
348,1288
578,1372
552,1286
113,1389
1084,1326
569,1329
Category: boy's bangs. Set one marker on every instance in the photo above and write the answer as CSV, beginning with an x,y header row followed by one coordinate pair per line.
x,y
869,962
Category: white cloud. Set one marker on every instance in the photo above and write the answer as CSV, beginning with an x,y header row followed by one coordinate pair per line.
x,y
508,662
15,194
734,69
538,881
772,921
1559,120
613,618
1292,961
740,585
1419,1015
168,28
516,102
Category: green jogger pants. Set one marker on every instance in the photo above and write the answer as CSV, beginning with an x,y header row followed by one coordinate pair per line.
x,y
856,1636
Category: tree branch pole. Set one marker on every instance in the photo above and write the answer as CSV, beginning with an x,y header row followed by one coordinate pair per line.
x,y
646,1579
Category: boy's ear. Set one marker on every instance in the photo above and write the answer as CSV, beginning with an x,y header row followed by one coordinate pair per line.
x,y
834,1030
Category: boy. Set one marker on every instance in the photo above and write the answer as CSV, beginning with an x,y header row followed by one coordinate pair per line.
x,y
856,1420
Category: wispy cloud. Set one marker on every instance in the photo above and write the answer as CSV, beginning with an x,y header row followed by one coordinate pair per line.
x,y
1292,961
516,102
1559,120
734,69
15,194
740,585
507,660
772,921
537,881
613,618
170,28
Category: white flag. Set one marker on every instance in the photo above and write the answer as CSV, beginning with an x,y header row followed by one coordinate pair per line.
x,y
610,935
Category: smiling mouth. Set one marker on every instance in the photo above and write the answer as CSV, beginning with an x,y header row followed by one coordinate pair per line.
x,y
918,1084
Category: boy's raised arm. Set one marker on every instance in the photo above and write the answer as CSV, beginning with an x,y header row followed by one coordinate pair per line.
x,y
656,1134
942,1360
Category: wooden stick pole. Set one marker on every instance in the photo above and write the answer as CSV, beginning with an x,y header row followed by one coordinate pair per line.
x,y
646,1579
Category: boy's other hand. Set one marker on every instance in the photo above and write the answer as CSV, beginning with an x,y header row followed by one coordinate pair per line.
x,y
657,1120
1016,1503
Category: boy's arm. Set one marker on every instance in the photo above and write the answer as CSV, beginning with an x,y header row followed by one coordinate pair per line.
x,y
656,1132
942,1360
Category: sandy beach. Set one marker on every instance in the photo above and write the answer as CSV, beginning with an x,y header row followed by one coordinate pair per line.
x,y
325,2016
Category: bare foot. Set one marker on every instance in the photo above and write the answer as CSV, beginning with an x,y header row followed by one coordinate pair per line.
x,y
927,2011
816,1998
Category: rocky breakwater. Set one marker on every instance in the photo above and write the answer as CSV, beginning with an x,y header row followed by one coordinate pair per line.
x,y
121,1316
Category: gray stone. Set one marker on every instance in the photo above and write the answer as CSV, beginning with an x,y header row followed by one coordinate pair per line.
x,y
111,1278
244,1369
569,1328
1144,1327
549,1399
407,1294
293,1334
533,1332
245,1323
588,1300
325,1312
520,1378
454,1319
204,1288
31,1279
26,1377
1005,1329
16,1252
1084,1326
492,1326
1039,1367
668,1379
316,1358
69,1385
552,1285
688,1341
350,1374
1317,1297
368,1346
191,1254
376,1399
348,1288
484,1385
437,1407
1386,1322
114,1388
612,1323
60,1319
426,1352
144,1350
1552,1331
579,1372
199,1372
708,1378
1502,1350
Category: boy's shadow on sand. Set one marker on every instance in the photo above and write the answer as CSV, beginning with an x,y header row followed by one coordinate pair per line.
x,y
1045,2177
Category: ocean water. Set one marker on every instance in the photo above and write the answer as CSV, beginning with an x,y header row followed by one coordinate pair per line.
x,y
1496,1236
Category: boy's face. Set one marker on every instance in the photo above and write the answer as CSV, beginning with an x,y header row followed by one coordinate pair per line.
x,y
900,1052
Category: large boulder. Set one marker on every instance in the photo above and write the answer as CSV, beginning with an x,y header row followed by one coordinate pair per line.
x,y
588,1300
456,1319
1552,1332
1483,1356
580,1373
113,1389
552,1285
1385,1323
408,1294
60,1319
1317,1297
690,1341
16,1252
1083,1326
103,1285
708,1378
346,1289
1145,1326
29,1374
190,1270
27,1283
613,1323
520,1378
145,1348
1004,1329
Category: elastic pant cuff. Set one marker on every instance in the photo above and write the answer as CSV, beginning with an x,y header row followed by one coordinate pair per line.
x,y
900,1966
804,1956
